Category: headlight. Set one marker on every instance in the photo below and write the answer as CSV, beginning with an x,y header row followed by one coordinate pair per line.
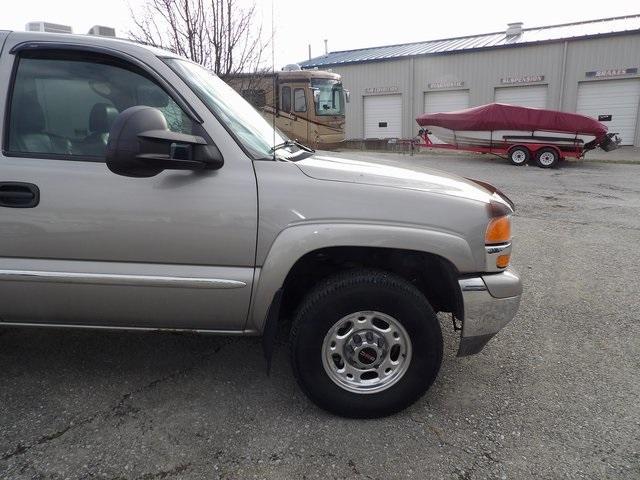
x,y
498,230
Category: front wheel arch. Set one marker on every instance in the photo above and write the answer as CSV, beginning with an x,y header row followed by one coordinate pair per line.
x,y
434,276
298,241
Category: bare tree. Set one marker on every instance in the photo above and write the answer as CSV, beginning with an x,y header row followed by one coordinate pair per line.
x,y
219,34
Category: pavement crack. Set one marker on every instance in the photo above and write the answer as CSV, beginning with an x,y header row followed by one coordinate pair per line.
x,y
354,469
117,409
440,436
22,448
174,472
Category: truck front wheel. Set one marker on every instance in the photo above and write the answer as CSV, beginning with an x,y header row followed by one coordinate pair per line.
x,y
365,343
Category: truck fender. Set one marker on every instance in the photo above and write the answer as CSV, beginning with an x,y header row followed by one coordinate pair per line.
x,y
296,241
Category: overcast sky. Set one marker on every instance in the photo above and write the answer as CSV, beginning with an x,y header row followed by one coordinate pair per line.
x,y
347,24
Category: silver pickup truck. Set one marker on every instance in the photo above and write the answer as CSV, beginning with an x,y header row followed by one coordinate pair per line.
x,y
138,191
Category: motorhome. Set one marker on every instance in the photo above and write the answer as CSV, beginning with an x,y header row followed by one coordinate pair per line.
x,y
306,105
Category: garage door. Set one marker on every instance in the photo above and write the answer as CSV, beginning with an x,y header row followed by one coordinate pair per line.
x,y
618,98
383,116
449,101
532,97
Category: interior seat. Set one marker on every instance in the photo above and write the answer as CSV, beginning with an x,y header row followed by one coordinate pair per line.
x,y
27,134
101,118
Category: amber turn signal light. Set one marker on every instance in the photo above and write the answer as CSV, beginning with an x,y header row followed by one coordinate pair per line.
x,y
503,261
498,230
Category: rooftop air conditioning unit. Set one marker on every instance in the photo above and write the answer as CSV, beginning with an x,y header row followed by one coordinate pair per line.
x,y
48,27
102,31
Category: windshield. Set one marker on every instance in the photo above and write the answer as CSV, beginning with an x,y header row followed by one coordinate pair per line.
x,y
329,96
249,128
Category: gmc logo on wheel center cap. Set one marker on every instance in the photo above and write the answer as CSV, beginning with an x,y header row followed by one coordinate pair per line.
x,y
367,355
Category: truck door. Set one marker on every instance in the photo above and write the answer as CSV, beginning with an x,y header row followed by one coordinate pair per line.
x,y
81,245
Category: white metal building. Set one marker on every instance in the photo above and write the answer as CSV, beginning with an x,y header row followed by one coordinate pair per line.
x,y
586,67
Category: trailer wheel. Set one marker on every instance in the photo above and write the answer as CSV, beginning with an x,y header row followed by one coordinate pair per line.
x,y
519,156
547,158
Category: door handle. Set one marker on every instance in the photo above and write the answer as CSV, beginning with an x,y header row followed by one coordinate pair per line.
x,y
19,195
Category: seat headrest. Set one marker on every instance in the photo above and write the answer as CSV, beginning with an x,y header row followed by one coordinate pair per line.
x,y
102,117
29,115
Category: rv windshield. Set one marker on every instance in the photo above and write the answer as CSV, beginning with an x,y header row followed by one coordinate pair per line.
x,y
329,96
243,121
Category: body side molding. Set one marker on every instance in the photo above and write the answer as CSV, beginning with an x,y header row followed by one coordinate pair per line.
x,y
118,279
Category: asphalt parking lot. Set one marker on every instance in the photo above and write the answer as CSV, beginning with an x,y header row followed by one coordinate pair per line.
x,y
554,395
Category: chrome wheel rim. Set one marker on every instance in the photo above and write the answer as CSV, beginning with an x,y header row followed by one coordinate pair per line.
x,y
366,352
518,157
547,158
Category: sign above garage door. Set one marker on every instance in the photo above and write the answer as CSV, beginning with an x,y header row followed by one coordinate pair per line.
x,y
381,90
614,72
451,84
522,79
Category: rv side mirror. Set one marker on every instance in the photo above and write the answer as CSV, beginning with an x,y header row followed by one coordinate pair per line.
x,y
316,94
347,96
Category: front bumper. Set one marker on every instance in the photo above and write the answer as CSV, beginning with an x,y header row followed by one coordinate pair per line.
x,y
490,302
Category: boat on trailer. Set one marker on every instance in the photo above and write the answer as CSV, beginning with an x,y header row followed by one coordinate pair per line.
x,y
520,133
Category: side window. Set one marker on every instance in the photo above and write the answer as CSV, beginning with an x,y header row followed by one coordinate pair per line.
x,y
286,99
67,106
299,100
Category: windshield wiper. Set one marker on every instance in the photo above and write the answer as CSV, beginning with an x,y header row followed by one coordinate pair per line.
x,y
292,143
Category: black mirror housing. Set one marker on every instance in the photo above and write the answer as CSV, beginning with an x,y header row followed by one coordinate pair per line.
x,y
141,145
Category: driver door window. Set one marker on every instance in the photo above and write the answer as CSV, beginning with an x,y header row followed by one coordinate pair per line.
x,y
67,106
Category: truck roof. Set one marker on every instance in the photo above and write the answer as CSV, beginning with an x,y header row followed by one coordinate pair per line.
x,y
115,42
89,39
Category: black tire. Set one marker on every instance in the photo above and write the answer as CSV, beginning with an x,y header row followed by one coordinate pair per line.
x,y
547,157
519,156
365,290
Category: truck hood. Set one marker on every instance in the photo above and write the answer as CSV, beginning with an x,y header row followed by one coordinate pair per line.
x,y
414,177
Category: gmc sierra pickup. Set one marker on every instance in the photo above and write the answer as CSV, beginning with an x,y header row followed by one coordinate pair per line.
x,y
139,191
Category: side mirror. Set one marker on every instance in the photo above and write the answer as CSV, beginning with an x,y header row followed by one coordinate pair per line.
x,y
316,94
141,145
347,96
